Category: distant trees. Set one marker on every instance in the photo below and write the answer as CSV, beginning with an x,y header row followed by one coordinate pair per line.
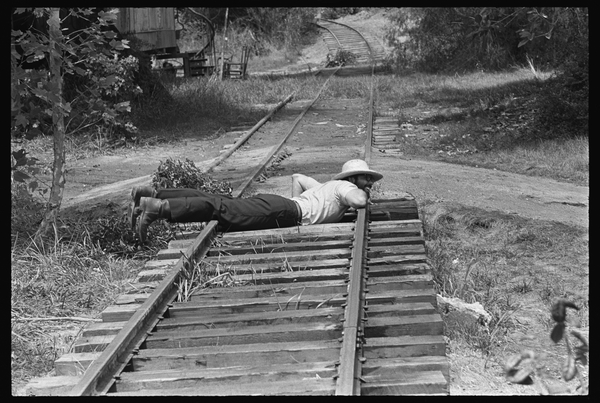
x,y
280,26
493,38
447,39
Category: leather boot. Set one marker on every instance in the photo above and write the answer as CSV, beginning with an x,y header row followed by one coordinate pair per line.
x,y
136,194
151,210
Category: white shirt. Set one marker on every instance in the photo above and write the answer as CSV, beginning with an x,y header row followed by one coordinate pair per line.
x,y
324,203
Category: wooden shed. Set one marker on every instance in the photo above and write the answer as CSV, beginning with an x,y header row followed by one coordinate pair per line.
x,y
154,26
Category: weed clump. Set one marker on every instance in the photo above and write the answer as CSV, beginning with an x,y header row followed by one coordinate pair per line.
x,y
341,58
177,174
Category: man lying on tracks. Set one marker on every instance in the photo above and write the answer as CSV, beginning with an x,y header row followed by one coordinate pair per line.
x,y
311,203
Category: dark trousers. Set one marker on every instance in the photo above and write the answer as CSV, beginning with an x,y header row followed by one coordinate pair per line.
x,y
261,211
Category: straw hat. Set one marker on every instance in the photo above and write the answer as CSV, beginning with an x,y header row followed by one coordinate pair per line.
x,y
357,167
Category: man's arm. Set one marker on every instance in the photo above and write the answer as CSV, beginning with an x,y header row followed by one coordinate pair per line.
x,y
357,198
300,183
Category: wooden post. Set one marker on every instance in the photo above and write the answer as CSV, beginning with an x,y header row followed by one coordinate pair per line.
x,y
224,43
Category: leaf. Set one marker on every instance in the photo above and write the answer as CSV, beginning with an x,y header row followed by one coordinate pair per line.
x,y
123,107
521,376
577,333
569,368
557,332
32,186
108,80
20,176
512,363
523,42
558,311
79,70
22,120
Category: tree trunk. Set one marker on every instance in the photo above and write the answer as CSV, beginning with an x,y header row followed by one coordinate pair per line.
x,y
58,177
224,43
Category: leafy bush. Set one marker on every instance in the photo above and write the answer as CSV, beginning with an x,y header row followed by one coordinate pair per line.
x,y
177,174
98,84
341,58
332,13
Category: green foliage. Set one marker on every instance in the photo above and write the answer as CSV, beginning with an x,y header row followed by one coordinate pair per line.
x,y
332,13
279,26
98,85
177,174
446,39
341,58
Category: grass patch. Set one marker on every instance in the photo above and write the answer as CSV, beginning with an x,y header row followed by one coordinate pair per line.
x,y
515,267
74,274
484,119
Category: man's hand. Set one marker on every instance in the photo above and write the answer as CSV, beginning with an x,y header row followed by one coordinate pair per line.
x,y
368,192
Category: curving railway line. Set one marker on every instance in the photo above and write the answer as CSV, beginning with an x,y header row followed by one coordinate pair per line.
x,y
341,36
344,309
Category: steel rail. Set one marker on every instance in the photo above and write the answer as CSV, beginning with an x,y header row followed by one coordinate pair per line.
x,y
349,372
355,30
102,372
332,34
348,382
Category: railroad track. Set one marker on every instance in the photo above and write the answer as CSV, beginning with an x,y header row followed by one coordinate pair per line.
x,y
346,308
341,36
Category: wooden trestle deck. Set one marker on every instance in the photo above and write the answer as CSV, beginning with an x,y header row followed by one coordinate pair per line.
x,y
278,330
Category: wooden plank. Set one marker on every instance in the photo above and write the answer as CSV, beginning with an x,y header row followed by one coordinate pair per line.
x,y
92,344
159,264
307,386
119,313
323,315
267,267
404,346
419,383
391,240
409,281
102,329
74,364
206,307
236,355
293,276
297,256
126,299
270,240
398,367
303,229
377,272
406,309
279,248
397,259
153,275
394,250
255,334
431,324
130,381
51,385
267,290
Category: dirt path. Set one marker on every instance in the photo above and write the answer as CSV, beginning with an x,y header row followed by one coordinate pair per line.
x,y
314,151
